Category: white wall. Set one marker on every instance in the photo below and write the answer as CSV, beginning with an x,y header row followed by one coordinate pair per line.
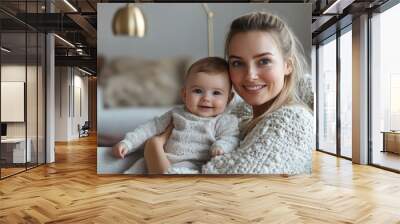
x,y
69,79
61,103
179,29
79,117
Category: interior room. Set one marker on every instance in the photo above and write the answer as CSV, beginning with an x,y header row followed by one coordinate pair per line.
x,y
56,114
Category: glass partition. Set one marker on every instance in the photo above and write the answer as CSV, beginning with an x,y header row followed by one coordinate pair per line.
x,y
327,96
13,106
22,79
41,87
32,95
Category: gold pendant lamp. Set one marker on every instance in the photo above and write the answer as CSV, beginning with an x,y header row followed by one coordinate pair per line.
x,y
129,21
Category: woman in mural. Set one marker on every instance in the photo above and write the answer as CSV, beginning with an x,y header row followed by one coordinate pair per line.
x,y
266,62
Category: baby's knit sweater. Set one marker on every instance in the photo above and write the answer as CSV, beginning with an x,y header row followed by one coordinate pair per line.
x,y
281,143
192,137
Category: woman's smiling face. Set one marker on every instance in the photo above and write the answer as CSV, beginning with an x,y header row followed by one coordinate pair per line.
x,y
257,67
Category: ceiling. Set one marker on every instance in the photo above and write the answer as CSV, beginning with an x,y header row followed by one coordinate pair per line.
x,y
78,24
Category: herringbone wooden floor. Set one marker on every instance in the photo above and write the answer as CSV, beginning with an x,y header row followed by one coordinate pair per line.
x,y
70,191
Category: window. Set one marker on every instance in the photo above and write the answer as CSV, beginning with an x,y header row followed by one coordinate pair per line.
x,y
385,88
346,75
327,96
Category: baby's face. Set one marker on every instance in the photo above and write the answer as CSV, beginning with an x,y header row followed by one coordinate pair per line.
x,y
206,95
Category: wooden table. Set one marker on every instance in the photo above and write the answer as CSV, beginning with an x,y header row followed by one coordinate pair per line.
x,y
391,141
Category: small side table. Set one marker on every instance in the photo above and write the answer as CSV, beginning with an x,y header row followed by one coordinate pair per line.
x,y
391,141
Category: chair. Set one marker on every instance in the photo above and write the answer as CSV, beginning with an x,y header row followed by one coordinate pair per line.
x,y
84,130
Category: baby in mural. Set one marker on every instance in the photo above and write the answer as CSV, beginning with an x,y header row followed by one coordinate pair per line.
x,y
201,129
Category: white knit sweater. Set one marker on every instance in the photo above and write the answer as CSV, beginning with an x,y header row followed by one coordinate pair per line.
x,y
192,137
281,143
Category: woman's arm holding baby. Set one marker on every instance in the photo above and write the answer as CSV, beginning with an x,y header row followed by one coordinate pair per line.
x,y
156,159
281,144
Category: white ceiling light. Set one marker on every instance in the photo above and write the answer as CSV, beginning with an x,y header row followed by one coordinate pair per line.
x,y
70,5
338,6
65,41
5,49
84,71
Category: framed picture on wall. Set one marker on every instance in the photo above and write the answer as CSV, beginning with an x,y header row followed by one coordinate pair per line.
x,y
151,81
12,101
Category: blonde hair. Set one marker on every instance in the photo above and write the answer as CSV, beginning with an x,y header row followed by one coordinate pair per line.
x,y
290,47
